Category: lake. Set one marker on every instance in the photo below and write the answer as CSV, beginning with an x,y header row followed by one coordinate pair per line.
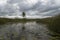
x,y
24,31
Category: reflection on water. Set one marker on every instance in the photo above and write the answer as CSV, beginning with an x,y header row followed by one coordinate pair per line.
x,y
24,31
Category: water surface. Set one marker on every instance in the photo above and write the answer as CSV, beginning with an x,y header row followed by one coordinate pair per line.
x,y
32,31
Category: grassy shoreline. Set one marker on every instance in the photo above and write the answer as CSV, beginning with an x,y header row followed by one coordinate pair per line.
x,y
16,20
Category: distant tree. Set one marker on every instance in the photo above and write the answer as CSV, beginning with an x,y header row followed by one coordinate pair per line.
x,y
23,14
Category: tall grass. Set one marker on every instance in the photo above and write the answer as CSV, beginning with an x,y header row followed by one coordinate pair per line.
x,y
53,23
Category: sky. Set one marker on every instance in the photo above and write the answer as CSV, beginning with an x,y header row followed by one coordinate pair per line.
x,y
32,8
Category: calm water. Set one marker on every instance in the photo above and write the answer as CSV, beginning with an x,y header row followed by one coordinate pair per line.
x,y
31,31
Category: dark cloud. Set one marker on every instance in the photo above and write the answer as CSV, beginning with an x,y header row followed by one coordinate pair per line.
x,y
14,7
14,1
52,13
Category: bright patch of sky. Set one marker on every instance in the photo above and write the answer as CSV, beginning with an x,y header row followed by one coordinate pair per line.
x,y
44,2
3,2
31,2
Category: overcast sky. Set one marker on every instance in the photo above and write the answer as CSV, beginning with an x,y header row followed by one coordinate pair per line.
x,y
30,7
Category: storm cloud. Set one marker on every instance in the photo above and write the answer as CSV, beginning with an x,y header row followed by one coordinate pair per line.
x,y
31,7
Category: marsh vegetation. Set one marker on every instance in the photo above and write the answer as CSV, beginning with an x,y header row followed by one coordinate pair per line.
x,y
52,25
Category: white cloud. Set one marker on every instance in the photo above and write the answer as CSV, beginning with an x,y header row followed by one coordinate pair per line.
x,y
2,2
31,2
57,2
44,2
